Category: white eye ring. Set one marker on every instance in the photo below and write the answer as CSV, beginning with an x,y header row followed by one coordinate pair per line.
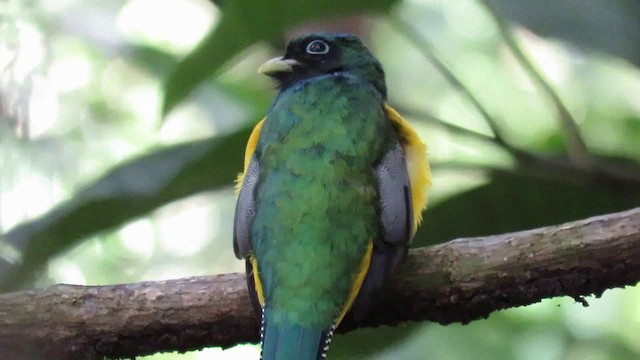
x,y
317,47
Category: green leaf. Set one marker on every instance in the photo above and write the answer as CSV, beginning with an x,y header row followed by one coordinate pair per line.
x,y
245,22
125,193
155,61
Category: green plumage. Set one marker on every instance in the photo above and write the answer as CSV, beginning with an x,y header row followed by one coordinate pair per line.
x,y
316,199
317,204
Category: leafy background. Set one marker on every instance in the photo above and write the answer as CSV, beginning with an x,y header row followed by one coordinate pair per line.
x,y
123,125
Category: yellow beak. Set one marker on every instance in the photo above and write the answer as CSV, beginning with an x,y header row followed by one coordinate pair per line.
x,y
277,65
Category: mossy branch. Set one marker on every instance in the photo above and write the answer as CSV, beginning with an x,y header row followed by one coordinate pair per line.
x,y
459,281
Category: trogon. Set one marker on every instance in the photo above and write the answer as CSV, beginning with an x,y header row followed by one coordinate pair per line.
x,y
332,192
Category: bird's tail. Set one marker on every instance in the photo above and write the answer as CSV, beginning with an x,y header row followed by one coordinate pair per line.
x,y
290,341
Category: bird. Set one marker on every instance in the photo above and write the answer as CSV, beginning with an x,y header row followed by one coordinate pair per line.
x,y
332,192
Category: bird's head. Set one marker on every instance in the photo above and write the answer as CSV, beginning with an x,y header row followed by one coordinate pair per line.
x,y
318,54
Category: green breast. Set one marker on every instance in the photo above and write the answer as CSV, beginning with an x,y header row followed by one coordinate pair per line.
x,y
316,200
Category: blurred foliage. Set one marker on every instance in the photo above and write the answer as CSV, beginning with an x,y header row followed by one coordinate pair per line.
x,y
123,127
127,192
245,22
606,25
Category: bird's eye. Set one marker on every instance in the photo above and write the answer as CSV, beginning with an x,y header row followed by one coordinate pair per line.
x,y
317,47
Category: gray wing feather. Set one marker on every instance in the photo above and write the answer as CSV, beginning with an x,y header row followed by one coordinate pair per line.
x,y
395,197
245,210
396,217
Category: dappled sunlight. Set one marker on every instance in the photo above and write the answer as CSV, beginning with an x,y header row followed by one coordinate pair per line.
x,y
43,107
139,237
26,194
82,88
451,106
447,184
127,85
66,272
188,121
552,59
240,352
175,25
71,73
467,21
236,352
31,51
186,226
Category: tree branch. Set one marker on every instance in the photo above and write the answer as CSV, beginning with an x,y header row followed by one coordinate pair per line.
x,y
459,281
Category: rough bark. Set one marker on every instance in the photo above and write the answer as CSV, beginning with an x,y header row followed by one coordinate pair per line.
x,y
460,281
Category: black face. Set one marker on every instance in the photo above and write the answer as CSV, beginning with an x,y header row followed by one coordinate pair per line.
x,y
316,56
320,53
